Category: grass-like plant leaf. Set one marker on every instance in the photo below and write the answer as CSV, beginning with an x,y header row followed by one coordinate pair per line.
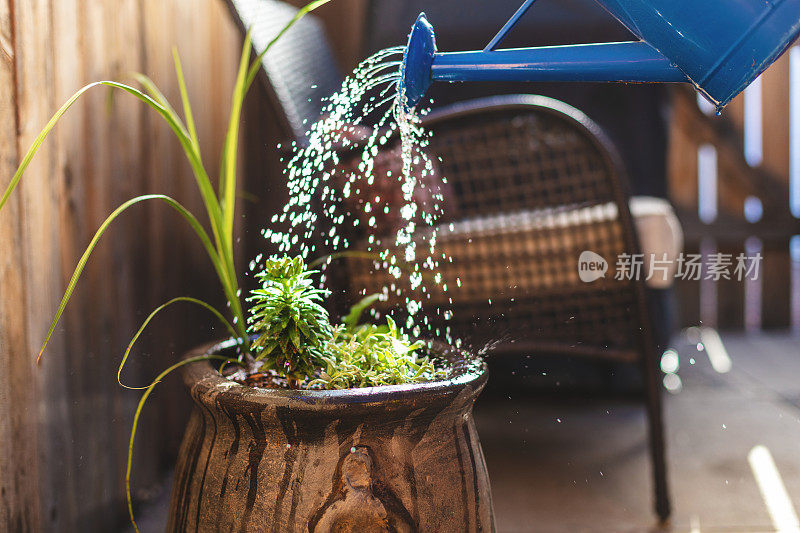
x,y
227,178
152,90
201,233
138,412
352,319
152,315
187,108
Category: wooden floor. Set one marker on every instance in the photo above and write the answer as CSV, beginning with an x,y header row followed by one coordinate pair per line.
x,y
567,464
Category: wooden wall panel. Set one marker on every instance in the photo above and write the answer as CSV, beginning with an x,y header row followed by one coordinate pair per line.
x,y
18,485
64,426
775,98
776,284
737,180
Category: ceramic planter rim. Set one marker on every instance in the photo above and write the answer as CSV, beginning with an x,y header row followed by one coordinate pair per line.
x,y
203,380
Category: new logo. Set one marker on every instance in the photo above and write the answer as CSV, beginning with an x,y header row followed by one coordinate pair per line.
x,y
591,266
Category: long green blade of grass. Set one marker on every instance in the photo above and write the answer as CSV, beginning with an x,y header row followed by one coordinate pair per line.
x,y
228,176
227,187
153,91
187,108
201,233
174,122
351,320
246,76
152,315
244,80
138,412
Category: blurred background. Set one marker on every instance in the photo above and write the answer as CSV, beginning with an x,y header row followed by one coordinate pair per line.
x,y
565,435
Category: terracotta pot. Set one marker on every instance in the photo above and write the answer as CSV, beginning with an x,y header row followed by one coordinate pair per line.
x,y
399,458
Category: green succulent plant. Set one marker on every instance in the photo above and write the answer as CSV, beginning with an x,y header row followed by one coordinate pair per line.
x,y
296,339
367,355
287,316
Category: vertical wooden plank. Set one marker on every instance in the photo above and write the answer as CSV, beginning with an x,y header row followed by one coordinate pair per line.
x,y
19,503
682,188
93,398
776,292
730,198
776,274
39,200
57,451
688,296
682,158
775,109
128,178
734,113
167,240
730,292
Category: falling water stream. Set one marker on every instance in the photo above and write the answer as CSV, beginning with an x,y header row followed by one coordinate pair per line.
x,y
337,208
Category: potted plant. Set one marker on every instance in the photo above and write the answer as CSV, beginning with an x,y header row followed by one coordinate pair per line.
x,y
304,425
348,428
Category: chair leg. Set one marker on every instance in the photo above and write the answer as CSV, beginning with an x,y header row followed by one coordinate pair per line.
x,y
656,433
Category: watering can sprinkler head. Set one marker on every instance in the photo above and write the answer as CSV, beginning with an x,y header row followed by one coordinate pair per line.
x,y
415,71
720,46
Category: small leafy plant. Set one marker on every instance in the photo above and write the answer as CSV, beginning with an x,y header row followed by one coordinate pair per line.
x,y
370,356
297,341
287,315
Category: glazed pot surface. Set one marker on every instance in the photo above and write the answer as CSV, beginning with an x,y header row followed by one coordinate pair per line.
x,y
396,458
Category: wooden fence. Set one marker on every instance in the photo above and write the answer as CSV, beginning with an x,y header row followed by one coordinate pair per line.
x,y
729,179
64,426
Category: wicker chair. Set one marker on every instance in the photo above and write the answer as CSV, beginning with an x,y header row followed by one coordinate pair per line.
x,y
535,183
300,69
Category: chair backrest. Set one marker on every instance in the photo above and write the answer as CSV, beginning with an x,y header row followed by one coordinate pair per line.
x,y
534,184
299,71
522,152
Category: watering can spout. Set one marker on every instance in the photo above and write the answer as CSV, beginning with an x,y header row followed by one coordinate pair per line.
x,y
720,46
415,71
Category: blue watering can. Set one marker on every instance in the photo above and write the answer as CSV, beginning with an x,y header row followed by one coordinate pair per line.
x,y
720,46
